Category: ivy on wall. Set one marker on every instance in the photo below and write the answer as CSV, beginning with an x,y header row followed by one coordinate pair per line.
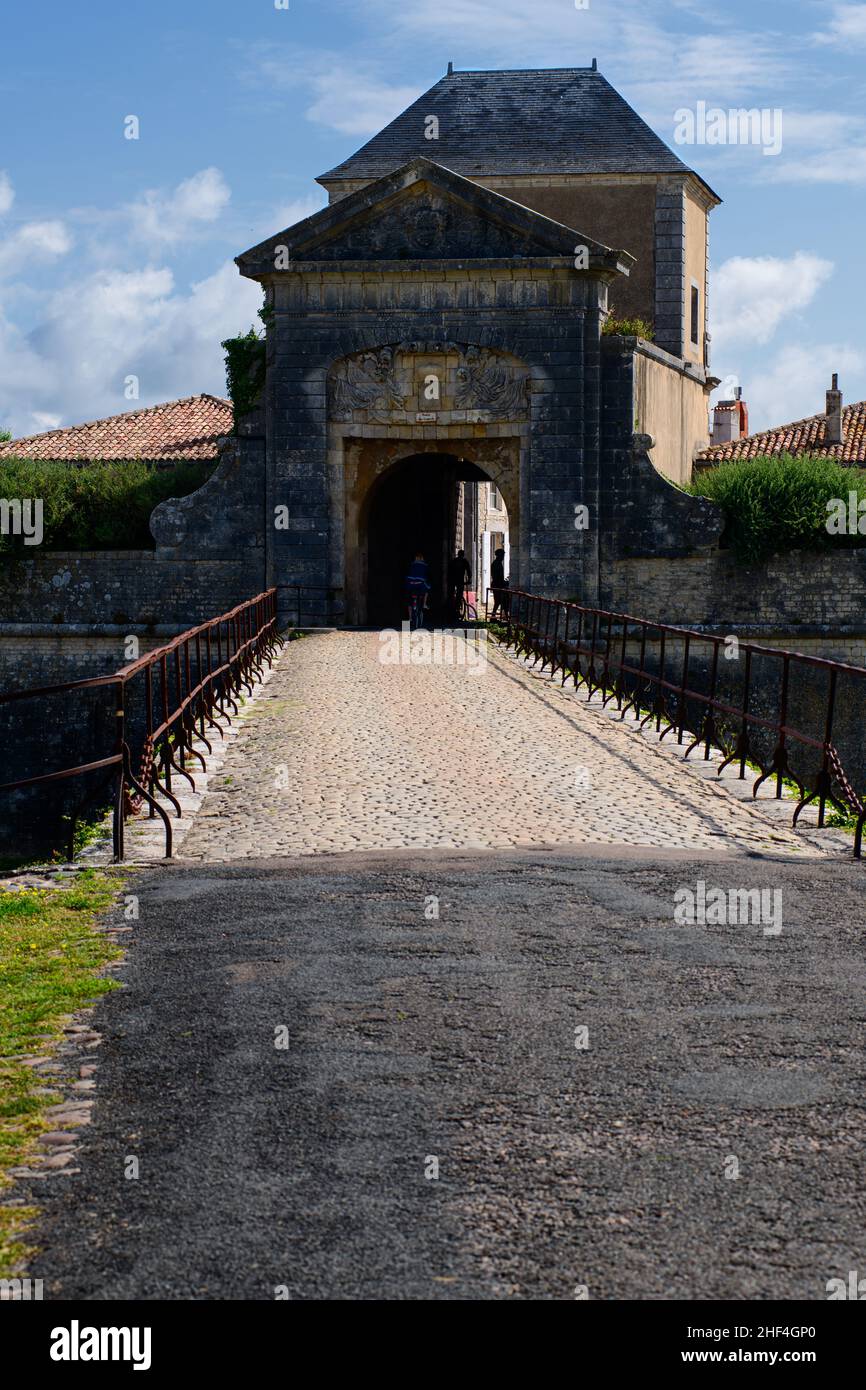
x,y
245,358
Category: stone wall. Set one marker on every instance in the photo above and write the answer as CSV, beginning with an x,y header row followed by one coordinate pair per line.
x,y
36,655
798,594
133,589
617,211
670,404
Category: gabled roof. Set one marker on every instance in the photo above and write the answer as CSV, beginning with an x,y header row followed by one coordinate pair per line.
x,y
485,224
531,121
801,437
174,432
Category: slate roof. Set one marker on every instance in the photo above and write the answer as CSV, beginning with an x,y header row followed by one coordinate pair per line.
x,y
801,437
534,121
174,432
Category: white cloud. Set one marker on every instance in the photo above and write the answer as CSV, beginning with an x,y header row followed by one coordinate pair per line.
x,y
791,385
97,330
511,26
98,326
820,147
32,244
355,104
660,68
7,193
44,420
287,214
821,128
839,164
753,294
352,98
162,219
846,29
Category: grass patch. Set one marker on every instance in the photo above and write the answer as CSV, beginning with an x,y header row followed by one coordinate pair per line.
x,y
100,506
629,328
49,962
777,504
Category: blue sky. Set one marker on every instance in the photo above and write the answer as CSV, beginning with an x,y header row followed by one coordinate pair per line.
x,y
116,255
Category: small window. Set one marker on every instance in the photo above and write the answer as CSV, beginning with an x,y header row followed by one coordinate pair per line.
x,y
696,314
495,499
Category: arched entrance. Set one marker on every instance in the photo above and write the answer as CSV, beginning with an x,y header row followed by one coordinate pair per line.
x,y
393,494
427,502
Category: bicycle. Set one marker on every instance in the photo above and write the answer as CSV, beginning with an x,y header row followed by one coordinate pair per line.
x,y
416,600
466,612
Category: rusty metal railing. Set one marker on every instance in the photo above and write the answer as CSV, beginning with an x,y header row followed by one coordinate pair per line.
x,y
165,704
751,709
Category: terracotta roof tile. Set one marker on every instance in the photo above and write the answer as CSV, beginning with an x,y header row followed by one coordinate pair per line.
x,y
801,437
174,432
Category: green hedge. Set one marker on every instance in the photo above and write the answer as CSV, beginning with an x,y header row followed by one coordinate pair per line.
x,y
775,504
99,506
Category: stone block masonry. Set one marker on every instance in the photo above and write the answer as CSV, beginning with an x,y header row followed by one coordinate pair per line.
x,y
819,596
135,589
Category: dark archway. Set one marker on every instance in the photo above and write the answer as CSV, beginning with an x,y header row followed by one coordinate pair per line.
x,y
412,507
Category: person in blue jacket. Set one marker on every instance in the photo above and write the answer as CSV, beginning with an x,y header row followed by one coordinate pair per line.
x,y
417,589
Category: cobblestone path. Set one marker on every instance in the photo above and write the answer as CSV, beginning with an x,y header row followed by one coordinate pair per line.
x,y
344,751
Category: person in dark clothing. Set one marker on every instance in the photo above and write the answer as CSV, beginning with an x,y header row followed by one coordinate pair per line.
x,y
459,576
417,586
498,583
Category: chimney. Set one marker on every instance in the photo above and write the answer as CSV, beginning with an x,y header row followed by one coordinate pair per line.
x,y
833,431
744,413
730,420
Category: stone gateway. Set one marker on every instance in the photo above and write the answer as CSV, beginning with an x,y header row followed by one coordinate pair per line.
x,y
429,328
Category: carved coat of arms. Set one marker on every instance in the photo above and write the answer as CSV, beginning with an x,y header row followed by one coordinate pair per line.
x,y
372,381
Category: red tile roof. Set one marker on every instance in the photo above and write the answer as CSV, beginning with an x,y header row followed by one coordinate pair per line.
x,y
174,432
801,437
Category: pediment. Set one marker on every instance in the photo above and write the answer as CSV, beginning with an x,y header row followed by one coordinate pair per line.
x,y
423,213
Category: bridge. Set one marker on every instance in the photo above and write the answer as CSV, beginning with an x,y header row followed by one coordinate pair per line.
x,y
446,725
486,966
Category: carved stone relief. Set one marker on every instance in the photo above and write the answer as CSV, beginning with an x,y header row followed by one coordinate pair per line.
x,y
428,226
380,381
488,382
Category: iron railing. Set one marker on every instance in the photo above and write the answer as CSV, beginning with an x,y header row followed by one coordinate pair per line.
x,y
757,706
165,703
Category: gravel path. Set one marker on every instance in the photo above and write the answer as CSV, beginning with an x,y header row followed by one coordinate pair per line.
x,y
706,1143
